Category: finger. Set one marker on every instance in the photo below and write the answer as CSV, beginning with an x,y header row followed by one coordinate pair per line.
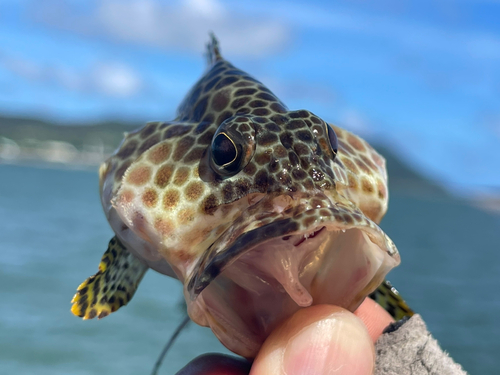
x,y
317,340
374,316
216,364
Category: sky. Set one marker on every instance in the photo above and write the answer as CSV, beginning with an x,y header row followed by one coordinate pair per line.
x,y
420,76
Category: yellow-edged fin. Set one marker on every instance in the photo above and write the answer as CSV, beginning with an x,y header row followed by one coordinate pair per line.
x,y
389,298
112,286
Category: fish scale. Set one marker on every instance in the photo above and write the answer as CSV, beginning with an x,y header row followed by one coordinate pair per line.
x,y
229,192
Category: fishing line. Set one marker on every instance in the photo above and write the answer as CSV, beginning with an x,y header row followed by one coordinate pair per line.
x,y
170,342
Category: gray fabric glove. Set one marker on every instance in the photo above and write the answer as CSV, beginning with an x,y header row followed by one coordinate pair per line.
x,y
409,348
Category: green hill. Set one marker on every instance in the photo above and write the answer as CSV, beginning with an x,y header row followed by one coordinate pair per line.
x,y
25,130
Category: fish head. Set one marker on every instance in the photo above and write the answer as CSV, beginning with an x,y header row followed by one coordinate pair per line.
x,y
257,209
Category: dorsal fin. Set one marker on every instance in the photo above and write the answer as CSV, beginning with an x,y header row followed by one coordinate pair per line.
x,y
213,50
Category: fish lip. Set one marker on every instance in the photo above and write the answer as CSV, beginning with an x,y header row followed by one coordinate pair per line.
x,y
244,242
210,266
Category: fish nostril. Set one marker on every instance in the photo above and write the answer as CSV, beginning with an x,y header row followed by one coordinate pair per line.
x,y
286,238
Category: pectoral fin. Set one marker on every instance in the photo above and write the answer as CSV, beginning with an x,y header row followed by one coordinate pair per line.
x,y
112,286
389,298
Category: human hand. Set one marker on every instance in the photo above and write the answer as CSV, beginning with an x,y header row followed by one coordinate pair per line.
x,y
320,339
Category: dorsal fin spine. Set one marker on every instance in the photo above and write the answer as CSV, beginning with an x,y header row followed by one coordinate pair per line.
x,y
213,50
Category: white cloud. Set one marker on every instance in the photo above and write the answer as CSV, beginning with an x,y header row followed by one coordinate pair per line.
x,y
184,25
206,8
115,80
110,78
407,33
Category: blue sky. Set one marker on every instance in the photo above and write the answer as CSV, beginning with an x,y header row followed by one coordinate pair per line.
x,y
421,76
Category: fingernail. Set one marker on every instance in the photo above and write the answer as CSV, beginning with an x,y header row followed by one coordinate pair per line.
x,y
338,344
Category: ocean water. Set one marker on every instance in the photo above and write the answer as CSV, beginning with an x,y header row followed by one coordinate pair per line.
x,y
53,233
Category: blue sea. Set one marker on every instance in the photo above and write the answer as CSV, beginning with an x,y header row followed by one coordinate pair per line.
x,y
53,233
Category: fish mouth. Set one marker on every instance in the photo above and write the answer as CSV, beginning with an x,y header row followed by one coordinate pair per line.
x,y
268,265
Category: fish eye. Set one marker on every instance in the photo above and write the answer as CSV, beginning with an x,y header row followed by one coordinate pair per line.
x,y
332,137
224,151
232,146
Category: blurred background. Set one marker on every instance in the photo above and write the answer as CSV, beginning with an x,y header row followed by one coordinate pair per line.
x,y
419,79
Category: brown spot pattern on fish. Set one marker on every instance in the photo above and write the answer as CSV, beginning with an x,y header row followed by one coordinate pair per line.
x,y
150,198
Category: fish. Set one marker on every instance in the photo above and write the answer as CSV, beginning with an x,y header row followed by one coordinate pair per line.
x,y
258,210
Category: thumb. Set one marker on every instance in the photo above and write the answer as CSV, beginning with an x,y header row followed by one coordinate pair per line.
x,y
317,340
